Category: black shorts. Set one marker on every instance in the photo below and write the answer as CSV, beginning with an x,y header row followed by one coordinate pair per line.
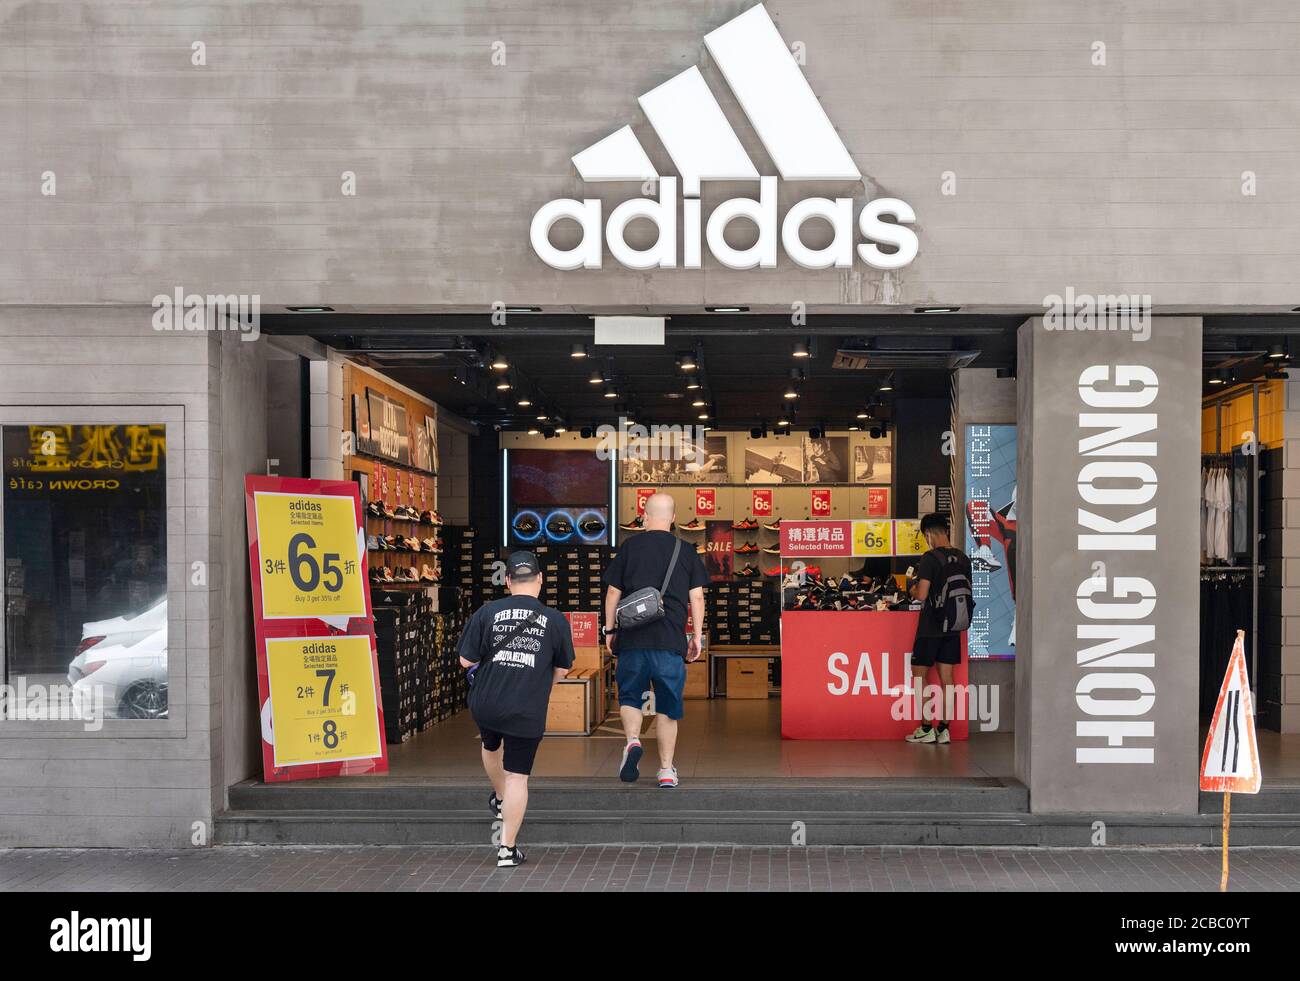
x,y
944,649
520,750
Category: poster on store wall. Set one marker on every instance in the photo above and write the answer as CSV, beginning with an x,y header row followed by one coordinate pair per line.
x,y
719,554
872,460
674,459
778,460
991,537
826,460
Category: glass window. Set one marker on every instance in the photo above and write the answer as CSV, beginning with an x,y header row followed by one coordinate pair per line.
x,y
85,571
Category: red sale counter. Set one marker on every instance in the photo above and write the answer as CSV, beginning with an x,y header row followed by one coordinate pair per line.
x,y
845,676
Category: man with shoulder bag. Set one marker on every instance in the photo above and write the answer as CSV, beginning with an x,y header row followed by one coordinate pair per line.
x,y
943,586
652,581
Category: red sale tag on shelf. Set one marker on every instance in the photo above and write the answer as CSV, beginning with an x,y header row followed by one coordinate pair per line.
x,y
821,502
642,495
706,500
762,503
878,502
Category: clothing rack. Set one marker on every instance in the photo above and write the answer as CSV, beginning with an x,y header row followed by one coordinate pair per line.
x,y
1256,474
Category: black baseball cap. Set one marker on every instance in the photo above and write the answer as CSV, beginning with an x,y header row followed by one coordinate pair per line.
x,y
522,565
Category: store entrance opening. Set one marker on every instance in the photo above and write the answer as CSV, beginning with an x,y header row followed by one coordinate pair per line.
x,y
800,463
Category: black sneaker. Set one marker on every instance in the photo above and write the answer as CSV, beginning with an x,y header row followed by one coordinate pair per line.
x,y
508,858
494,805
559,525
591,526
526,525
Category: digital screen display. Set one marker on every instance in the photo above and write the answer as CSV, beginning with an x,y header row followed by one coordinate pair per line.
x,y
558,478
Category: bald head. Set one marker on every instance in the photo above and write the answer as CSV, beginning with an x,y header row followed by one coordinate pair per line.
x,y
660,510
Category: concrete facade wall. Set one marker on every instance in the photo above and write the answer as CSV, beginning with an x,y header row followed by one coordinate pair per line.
x,y
134,783
458,119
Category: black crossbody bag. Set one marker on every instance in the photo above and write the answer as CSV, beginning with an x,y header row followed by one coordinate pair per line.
x,y
508,636
645,605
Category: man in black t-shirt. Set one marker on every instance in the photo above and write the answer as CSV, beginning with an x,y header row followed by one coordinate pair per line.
x,y
515,649
933,647
652,658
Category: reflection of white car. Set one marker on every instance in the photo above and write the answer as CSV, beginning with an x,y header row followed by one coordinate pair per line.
x,y
125,659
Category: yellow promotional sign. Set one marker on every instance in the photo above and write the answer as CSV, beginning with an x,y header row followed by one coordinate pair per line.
x,y
323,699
310,558
908,537
873,538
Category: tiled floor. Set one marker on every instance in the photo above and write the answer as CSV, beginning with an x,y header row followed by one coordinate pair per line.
x,y
649,868
721,738
717,738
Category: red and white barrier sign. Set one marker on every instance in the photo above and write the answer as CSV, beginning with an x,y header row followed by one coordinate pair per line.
x,y
762,505
642,495
847,676
1230,762
706,502
821,502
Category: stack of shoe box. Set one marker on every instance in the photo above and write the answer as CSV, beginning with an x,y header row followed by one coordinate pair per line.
x,y
743,612
401,662
572,576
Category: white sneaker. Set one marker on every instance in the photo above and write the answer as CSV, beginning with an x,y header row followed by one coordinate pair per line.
x,y
668,778
984,558
923,735
944,736
628,769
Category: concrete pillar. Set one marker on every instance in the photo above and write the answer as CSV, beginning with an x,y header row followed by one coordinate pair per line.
x,y
1107,585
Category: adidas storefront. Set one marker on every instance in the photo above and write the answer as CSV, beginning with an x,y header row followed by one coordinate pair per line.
x,y
814,278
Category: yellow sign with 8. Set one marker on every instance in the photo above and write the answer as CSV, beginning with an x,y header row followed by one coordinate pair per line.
x,y
323,699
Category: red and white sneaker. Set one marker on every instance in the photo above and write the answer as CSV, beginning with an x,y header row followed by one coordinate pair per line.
x,y
668,778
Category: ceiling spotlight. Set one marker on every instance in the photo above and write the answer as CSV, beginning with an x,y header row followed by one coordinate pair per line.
x,y
499,363
1276,351
757,432
703,417
597,377
687,361
578,351
1220,377
783,422
888,384
699,402
800,350
854,429
532,432
864,414
561,429
505,383
586,432
791,392
816,432
549,432
542,417
610,392
692,383
524,402
1006,372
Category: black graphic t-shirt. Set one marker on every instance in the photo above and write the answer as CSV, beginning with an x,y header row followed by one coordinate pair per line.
x,y
512,683
642,561
934,566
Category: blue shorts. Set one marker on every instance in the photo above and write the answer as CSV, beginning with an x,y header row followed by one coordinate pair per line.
x,y
641,671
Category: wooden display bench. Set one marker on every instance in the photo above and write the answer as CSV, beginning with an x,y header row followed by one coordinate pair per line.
x,y
579,702
745,670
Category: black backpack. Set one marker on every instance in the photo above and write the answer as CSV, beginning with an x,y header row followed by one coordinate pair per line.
x,y
954,601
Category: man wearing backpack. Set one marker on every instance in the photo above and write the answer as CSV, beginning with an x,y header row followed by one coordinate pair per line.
x,y
516,648
943,586
650,585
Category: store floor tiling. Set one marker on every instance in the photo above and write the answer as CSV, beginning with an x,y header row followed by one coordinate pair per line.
x,y
717,738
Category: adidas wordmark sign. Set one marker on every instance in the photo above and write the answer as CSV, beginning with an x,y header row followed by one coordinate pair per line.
x,y
796,134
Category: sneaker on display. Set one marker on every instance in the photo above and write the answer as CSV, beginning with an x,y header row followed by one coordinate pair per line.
x,y
748,572
526,525
558,524
429,574
745,524
746,549
772,549
667,778
431,518
375,509
695,524
591,526
983,558
508,858
372,544
636,524
773,525
923,735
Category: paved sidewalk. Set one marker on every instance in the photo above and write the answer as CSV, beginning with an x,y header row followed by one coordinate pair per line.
x,y
611,868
